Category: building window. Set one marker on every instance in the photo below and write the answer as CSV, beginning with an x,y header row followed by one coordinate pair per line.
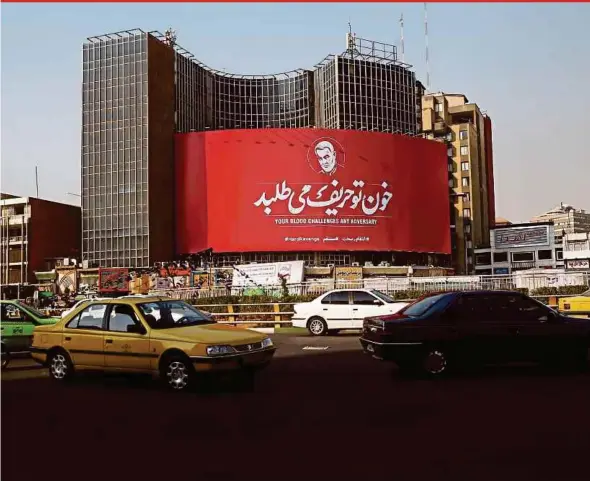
x,y
452,183
523,256
438,107
466,197
463,134
545,255
467,213
500,256
483,259
450,152
451,167
465,181
464,165
559,254
467,229
464,150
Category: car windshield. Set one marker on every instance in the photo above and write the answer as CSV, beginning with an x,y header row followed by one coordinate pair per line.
x,y
170,314
83,302
383,297
32,310
420,307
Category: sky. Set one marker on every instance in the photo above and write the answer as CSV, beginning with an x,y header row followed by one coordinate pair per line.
x,y
526,65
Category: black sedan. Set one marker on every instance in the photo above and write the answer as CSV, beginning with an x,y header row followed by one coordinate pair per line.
x,y
469,328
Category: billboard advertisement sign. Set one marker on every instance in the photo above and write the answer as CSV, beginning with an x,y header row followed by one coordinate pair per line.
x,y
349,273
578,264
311,190
256,275
113,280
511,237
67,281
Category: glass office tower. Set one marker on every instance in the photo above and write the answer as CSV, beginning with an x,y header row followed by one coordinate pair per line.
x,y
140,88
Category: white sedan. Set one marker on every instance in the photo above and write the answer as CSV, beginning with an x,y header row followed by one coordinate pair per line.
x,y
343,309
81,303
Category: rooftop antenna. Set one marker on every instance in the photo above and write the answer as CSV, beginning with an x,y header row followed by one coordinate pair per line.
x,y
350,38
401,24
426,47
37,180
170,36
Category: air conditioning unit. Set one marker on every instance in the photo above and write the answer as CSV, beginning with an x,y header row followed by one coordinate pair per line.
x,y
368,264
331,265
384,264
356,264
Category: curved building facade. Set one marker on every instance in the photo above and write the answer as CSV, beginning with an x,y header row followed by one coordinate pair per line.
x,y
211,100
140,89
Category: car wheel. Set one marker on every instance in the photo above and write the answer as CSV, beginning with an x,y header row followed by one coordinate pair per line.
x,y
5,357
435,363
60,366
317,326
178,373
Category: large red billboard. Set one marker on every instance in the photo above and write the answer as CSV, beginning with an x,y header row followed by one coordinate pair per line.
x,y
311,190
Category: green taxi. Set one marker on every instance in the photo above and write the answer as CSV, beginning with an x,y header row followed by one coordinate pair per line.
x,y
17,321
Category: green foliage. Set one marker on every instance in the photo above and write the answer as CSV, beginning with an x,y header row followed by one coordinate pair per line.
x,y
238,303
559,291
522,290
284,288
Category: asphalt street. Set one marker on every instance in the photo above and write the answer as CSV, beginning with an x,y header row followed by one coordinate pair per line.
x,y
315,414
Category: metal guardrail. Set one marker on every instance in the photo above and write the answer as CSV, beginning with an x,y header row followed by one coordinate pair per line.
x,y
275,311
391,285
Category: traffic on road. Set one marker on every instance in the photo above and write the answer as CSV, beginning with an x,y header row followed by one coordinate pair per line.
x,y
179,344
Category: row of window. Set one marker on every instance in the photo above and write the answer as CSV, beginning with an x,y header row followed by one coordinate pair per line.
x,y
526,256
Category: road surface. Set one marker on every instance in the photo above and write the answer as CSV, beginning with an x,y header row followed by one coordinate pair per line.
x,y
315,415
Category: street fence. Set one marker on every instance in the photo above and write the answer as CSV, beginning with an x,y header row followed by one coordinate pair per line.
x,y
279,313
527,282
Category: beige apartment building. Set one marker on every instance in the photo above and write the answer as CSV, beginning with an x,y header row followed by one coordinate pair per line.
x,y
566,219
467,131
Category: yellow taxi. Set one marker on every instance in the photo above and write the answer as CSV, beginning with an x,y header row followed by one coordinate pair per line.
x,y
168,338
576,306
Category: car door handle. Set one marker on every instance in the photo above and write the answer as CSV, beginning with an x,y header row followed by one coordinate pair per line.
x,y
108,341
325,308
68,339
355,309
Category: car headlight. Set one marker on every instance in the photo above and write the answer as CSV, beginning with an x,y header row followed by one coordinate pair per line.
x,y
219,350
267,342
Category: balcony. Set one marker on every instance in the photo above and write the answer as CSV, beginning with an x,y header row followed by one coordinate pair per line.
x,y
15,219
19,239
440,127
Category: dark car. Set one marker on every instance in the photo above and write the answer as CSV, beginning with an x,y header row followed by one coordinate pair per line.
x,y
474,328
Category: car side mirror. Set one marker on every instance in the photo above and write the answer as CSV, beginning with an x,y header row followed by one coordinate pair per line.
x,y
377,302
136,329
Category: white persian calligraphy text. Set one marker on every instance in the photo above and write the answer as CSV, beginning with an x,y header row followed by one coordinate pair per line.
x,y
341,197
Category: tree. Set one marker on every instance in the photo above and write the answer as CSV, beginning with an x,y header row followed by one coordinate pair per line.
x,y
284,288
